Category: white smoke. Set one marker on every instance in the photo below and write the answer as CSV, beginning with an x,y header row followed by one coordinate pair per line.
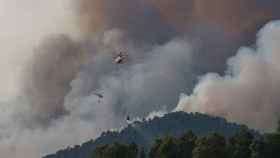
x,y
249,92
155,114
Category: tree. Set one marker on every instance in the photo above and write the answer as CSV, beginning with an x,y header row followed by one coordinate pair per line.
x,y
165,148
212,146
142,153
278,127
272,145
269,146
154,149
132,150
239,146
116,150
186,144
168,148
258,148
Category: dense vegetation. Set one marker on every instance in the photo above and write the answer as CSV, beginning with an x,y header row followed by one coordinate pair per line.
x,y
242,145
144,132
116,150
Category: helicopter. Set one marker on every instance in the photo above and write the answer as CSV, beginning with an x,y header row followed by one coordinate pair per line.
x,y
99,95
120,58
127,118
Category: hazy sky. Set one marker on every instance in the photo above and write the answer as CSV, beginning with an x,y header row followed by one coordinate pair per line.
x,y
23,24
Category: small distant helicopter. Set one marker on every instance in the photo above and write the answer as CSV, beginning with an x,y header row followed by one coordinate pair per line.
x,y
99,95
120,58
127,118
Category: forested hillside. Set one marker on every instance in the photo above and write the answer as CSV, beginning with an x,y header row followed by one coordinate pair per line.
x,y
144,132
242,145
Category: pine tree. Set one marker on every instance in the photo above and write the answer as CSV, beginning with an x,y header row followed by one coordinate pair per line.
x,y
239,146
186,144
116,150
142,153
212,146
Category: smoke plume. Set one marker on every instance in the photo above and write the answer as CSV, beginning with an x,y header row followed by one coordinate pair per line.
x,y
48,76
138,18
248,93
214,37
169,45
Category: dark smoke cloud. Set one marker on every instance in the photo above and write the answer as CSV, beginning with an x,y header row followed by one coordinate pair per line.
x,y
216,29
138,18
169,43
48,77
154,79
220,26
238,18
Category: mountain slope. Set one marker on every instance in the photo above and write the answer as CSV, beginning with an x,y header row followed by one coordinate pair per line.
x,y
145,132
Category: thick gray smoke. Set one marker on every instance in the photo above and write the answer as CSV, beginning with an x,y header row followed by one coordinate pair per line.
x,y
249,92
138,18
144,24
48,76
163,70
167,50
124,87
